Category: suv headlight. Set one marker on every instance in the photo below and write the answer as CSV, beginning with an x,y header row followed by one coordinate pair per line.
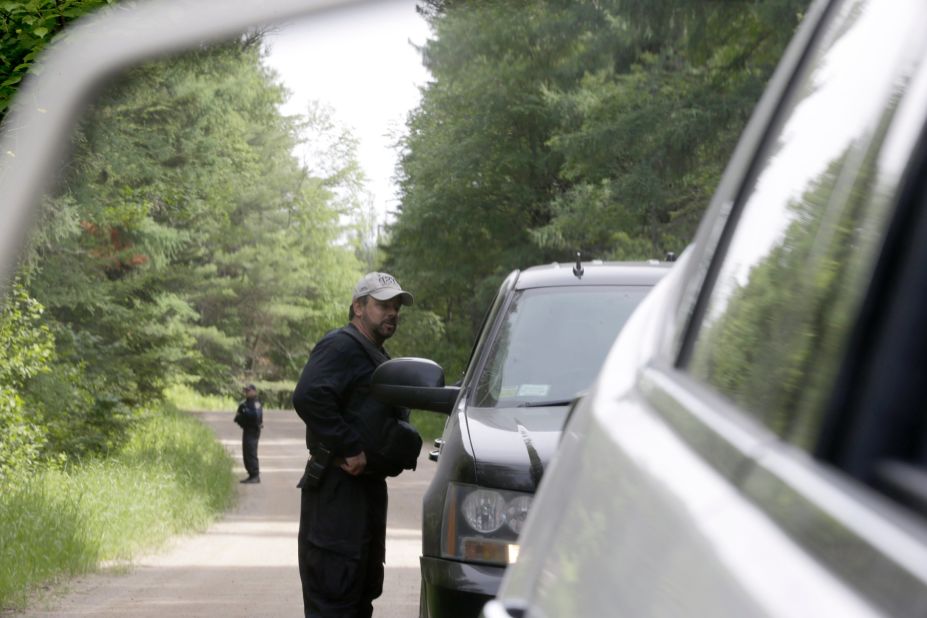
x,y
482,524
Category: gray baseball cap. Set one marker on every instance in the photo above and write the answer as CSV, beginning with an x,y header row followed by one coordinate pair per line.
x,y
381,286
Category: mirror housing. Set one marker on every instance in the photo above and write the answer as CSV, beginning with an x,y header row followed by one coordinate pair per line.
x,y
413,383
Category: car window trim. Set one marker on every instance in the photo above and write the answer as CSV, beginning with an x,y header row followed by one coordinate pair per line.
x,y
710,424
505,288
490,328
507,292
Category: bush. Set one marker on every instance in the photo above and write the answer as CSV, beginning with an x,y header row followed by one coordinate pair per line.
x,y
170,476
27,349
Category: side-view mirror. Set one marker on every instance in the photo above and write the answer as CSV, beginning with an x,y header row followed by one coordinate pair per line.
x,y
413,383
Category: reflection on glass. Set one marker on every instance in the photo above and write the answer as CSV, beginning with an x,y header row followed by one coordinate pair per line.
x,y
552,343
791,282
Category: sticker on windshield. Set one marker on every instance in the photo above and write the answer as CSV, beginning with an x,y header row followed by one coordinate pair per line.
x,y
507,392
533,390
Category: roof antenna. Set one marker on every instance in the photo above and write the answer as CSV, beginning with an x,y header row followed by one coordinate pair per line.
x,y
578,268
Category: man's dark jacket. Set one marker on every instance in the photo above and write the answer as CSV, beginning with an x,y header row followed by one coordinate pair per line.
x,y
250,414
333,399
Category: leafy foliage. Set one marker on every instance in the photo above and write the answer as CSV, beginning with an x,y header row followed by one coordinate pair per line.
x,y
28,347
185,243
552,127
27,27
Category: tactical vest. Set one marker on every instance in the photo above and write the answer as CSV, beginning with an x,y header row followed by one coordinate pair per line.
x,y
391,443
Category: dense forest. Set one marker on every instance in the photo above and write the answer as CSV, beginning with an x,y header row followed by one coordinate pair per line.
x,y
554,126
185,244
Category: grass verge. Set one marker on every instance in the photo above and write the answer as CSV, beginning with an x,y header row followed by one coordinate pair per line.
x,y
172,476
185,398
430,425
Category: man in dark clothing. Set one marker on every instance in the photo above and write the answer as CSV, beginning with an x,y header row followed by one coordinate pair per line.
x,y
250,416
342,526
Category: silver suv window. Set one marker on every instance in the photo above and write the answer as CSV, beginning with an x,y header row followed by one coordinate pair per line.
x,y
552,342
775,326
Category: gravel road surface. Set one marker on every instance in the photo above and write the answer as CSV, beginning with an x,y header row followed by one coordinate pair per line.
x,y
245,565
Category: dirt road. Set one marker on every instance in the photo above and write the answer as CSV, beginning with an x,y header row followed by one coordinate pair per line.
x,y
245,565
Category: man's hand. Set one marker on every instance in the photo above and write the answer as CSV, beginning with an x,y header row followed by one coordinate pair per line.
x,y
355,465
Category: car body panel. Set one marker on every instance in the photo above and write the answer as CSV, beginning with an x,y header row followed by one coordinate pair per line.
x,y
512,445
479,579
455,462
457,588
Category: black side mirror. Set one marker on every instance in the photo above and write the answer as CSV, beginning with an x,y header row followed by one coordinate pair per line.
x,y
413,383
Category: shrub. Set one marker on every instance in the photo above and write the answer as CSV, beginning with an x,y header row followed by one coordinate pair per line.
x,y
170,476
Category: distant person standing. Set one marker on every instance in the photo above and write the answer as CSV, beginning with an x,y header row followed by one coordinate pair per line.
x,y
250,416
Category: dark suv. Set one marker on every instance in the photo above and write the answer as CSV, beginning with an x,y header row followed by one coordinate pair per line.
x,y
542,342
756,442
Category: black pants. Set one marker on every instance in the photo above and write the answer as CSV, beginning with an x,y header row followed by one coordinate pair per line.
x,y
342,544
249,446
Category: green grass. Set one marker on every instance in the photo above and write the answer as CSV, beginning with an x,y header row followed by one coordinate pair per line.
x,y
430,425
171,477
185,398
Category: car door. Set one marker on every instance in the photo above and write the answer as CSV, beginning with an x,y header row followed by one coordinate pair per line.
x,y
796,311
744,451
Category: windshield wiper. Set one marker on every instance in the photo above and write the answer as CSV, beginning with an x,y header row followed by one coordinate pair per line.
x,y
545,404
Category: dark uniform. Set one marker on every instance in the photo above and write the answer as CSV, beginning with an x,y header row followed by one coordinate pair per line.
x,y
250,416
342,525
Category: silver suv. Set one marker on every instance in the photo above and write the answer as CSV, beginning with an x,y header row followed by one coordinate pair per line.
x,y
756,441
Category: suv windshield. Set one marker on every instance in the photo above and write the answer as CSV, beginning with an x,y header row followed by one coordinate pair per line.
x,y
552,342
